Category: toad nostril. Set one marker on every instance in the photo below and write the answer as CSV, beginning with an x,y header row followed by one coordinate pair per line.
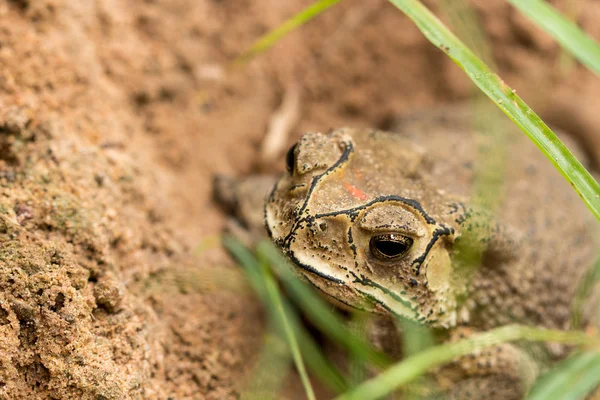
x,y
323,226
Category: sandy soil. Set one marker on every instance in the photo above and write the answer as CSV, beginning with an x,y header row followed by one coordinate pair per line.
x,y
114,115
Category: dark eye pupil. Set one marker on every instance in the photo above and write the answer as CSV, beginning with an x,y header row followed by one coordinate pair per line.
x,y
391,249
390,246
290,158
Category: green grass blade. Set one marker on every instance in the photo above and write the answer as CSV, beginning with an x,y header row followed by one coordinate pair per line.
x,y
466,23
264,381
565,32
311,352
571,379
317,310
508,101
267,41
276,301
418,364
314,358
316,361
250,264
415,337
269,373
357,368
583,293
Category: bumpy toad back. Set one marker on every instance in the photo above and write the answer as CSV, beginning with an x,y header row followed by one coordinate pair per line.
x,y
384,222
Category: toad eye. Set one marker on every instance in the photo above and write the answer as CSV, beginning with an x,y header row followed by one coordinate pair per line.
x,y
290,159
390,246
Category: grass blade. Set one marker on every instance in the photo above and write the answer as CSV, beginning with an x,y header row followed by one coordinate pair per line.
x,y
418,364
565,32
508,101
467,24
275,299
250,264
583,293
571,379
415,337
316,361
267,41
270,371
259,281
357,368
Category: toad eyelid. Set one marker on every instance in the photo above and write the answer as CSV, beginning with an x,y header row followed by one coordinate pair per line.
x,y
392,229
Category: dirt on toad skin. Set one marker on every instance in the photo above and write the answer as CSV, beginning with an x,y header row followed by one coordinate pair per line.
x,y
114,115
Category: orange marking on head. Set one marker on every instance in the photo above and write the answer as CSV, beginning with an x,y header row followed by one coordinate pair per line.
x,y
355,192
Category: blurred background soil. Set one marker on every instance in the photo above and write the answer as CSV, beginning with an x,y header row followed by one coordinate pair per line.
x,y
114,116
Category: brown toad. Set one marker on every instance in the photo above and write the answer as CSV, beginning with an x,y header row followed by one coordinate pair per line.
x,y
387,222
379,221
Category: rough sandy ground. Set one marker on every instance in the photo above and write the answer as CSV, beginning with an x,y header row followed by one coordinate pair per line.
x,y
113,117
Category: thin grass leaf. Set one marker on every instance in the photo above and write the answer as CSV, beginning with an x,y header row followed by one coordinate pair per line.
x,y
565,32
508,101
208,243
317,310
267,41
572,11
316,361
467,24
250,264
492,131
357,368
584,290
418,364
415,337
263,383
322,368
206,280
276,301
270,370
571,379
